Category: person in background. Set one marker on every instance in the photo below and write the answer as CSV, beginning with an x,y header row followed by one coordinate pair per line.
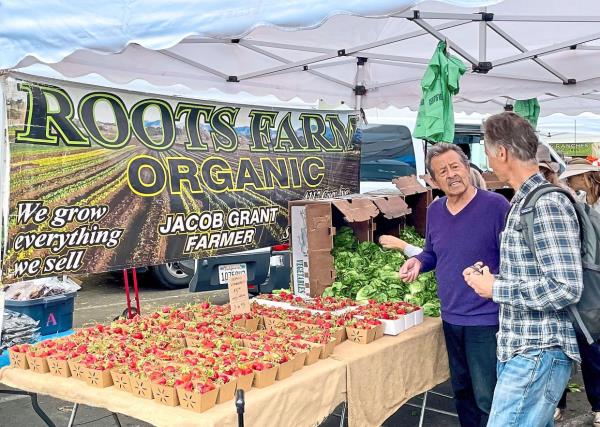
x,y
477,179
393,242
548,168
462,227
584,178
536,340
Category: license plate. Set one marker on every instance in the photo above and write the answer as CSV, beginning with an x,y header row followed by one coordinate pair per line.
x,y
226,271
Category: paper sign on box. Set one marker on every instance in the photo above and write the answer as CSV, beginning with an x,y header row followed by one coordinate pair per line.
x,y
238,294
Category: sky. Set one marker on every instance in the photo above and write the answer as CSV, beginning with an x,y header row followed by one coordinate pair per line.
x,y
556,128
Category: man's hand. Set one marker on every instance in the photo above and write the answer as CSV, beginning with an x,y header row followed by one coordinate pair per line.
x,y
480,279
410,270
391,242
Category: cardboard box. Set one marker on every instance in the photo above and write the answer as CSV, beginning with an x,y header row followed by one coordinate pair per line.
x,y
265,378
418,198
120,380
327,349
391,327
38,364
299,360
379,331
59,368
361,336
141,387
314,223
99,378
195,401
285,370
18,360
165,395
251,325
314,353
245,382
77,369
227,391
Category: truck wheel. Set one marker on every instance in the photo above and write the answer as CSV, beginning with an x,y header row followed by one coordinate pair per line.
x,y
171,275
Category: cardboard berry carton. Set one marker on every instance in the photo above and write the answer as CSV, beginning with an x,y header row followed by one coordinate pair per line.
x,y
17,355
363,331
120,378
37,361
141,386
197,396
164,394
77,368
59,366
265,374
99,377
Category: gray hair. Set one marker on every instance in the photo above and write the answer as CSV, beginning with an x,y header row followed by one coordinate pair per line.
x,y
441,148
512,132
477,179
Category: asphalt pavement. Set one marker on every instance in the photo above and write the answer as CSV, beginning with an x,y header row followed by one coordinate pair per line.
x,y
102,298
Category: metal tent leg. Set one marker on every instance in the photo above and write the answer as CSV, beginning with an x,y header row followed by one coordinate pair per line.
x,y
73,414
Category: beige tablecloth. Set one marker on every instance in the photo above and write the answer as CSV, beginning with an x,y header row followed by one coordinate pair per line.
x,y
377,379
383,375
304,399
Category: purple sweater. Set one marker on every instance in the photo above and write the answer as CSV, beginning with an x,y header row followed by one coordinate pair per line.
x,y
455,242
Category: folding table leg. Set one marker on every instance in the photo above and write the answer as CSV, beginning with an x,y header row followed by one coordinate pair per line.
x,y
73,414
39,411
343,414
116,418
423,407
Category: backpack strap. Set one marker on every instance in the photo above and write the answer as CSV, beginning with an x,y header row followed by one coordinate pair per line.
x,y
525,225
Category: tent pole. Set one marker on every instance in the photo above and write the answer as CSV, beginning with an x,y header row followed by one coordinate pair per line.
x,y
547,49
287,61
482,38
522,48
441,37
359,89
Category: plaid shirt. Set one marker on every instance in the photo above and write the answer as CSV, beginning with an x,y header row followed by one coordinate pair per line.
x,y
534,291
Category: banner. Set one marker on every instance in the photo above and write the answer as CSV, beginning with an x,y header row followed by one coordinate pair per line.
x,y
574,149
102,179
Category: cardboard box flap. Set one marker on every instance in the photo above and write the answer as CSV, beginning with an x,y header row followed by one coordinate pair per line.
x,y
318,225
356,210
392,207
429,181
492,181
408,185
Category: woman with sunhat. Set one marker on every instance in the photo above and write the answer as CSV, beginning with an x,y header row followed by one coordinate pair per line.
x,y
584,178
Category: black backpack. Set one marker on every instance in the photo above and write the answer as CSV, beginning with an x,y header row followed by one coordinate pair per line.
x,y
585,315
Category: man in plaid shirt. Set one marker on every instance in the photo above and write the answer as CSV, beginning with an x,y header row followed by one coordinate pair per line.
x,y
536,340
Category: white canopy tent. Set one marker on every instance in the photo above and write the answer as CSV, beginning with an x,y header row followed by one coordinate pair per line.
x,y
365,54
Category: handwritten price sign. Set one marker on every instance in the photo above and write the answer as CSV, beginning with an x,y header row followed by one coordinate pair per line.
x,y
238,294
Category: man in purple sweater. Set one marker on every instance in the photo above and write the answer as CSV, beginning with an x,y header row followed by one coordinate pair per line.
x,y
463,228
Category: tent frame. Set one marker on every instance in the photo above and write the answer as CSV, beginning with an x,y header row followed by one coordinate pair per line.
x,y
360,56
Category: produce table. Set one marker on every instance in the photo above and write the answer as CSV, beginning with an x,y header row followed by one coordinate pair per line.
x,y
375,379
385,374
